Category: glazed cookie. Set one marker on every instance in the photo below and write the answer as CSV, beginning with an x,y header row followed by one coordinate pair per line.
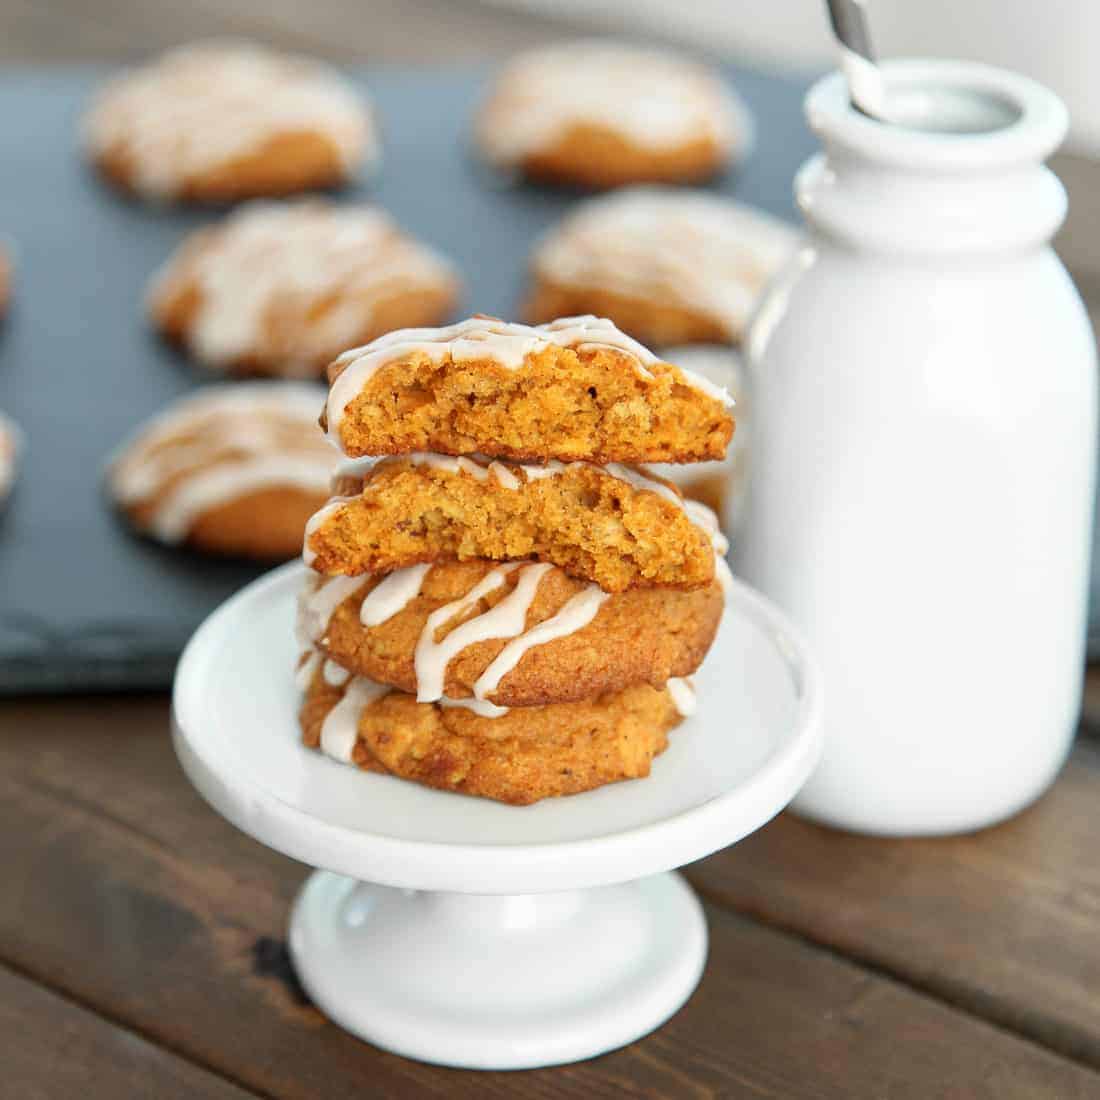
x,y
519,757
576,388
11,443
667,266
618,526
604,114
222,121
230,470
515,636
282,287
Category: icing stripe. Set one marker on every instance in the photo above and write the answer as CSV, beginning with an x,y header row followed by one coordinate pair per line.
x,y
577,612
340,729
335,675
481,707
431,657
317,603
392,594
682,693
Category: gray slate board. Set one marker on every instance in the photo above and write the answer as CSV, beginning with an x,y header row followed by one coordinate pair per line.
x,y
83,603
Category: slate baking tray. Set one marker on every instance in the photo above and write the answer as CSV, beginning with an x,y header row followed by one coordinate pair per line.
x,y
84,604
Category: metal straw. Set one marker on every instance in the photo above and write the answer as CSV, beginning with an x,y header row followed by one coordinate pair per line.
x,y
865,85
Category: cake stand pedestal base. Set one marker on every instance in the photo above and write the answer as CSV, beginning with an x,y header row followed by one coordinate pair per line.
x,y
508,981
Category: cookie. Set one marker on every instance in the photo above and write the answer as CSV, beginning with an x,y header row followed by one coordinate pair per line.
x,y
522,642
603,114
617,526
574,389
223,121
11,444
518,757
233,469
7,276
283,287
667,266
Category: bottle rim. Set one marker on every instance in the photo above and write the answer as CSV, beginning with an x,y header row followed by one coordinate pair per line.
x,y
1026,121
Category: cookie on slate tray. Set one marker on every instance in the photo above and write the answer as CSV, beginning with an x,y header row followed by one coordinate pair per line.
x,y
233,469
604,114
667,266
576,388
390,627
222,121
281,288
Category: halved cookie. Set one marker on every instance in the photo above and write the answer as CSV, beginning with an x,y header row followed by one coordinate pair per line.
x,y
617,526
575,388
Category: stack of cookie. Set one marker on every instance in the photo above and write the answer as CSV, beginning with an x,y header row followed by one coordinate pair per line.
x,y
502,601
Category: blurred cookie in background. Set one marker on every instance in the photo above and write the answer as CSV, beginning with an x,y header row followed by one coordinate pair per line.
x,y
7,275
232,469
282,288
11,446
667,266
603,114
221,121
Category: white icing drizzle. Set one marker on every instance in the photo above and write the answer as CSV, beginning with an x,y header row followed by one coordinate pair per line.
x,y
693,249
431,657
507,344
319,598
294,282
335,675
505,478
654,98
206,105
303,677
392,594
340,729
481,707
682,693
220,445
576,613
503,471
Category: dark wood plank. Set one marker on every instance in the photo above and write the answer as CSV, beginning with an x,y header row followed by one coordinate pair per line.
x,y
1003,923
123,890
51,1049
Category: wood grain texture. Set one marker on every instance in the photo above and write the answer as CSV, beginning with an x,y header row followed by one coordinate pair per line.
x,y
129,894
1003,923
51,1049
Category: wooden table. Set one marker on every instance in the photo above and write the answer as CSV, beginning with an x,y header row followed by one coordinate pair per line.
x,y
141,950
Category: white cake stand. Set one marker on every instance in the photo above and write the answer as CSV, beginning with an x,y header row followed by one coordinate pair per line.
x,y
464,932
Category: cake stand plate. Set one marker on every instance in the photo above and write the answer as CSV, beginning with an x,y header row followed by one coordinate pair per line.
x,y
469,933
